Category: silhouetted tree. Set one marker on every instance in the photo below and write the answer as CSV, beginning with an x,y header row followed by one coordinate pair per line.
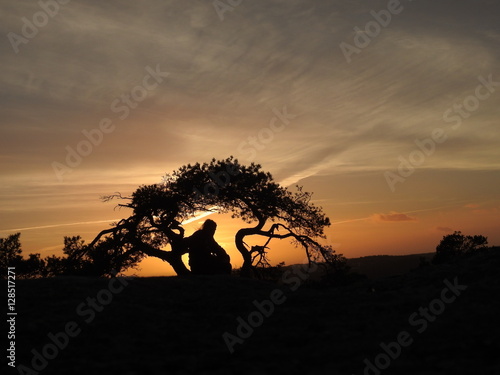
x,y
101,259
10,256
10,252
32,267
79,259
456,245
221,186
54,266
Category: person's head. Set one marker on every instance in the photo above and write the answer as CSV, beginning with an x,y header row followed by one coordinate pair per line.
x,y
209,226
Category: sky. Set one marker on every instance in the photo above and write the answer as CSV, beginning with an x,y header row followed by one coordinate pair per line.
x,y
387,111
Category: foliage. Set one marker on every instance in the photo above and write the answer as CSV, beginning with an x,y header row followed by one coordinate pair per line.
x,y
32,267
154,227
457,245
10,252
103,259
223,186
79,259
10,256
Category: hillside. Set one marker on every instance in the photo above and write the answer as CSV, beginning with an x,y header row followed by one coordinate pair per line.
x,y
377,266
174,325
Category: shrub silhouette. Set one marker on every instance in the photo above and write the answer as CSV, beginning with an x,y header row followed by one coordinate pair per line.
x,y
79,259
10,252
10,256
456,245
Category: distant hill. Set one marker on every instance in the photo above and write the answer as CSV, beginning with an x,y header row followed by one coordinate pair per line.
x,y
377,266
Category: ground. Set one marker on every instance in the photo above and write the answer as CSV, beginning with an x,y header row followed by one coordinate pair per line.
x,y
172,325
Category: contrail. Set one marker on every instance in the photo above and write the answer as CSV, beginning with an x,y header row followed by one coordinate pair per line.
x,y
202,215
58,225
97,222
199,216
351,220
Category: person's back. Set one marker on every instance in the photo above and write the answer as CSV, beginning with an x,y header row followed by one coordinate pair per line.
x,y
206,256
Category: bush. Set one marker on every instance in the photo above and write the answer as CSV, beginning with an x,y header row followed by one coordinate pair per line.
x,y
455,246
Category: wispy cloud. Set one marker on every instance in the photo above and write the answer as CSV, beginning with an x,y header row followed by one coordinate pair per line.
x,y
394,217
57,225
225,78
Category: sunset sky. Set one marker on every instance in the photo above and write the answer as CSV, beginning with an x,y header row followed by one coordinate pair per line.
x,y
318,92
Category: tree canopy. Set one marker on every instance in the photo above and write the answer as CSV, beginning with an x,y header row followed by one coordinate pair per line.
x,y
10,251
457,245
79,259
223,186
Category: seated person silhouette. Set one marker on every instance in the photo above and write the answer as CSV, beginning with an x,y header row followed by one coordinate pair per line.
x,y
206,256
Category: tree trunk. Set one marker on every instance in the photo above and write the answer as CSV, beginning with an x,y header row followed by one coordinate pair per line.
x,y
174,258
178,265
246,268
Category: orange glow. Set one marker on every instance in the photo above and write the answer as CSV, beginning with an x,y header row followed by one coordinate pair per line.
x,y
107,98
352,237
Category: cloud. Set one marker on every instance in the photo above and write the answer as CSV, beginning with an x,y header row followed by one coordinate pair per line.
x,y
393,216
483,209
226,78
472,205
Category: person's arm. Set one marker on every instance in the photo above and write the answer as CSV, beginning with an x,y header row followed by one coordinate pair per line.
x,y
218,250
191,242
185,243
